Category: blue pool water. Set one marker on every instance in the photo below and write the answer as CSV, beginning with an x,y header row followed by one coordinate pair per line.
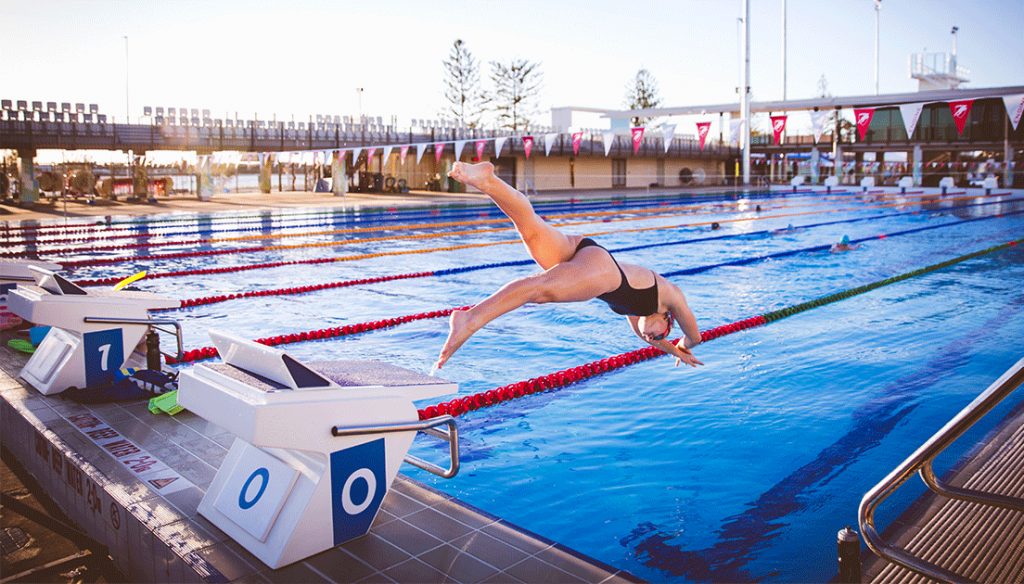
x,y
741,470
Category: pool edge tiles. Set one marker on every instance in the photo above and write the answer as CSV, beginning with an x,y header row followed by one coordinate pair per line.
x,y
419,533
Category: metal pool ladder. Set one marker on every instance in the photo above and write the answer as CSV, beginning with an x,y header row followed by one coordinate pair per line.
x,y
921,462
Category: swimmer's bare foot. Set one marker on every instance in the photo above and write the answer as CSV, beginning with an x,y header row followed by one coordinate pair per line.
x,y
474,175
459,330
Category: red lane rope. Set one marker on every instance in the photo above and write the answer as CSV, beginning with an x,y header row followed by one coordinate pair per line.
x,y
201,353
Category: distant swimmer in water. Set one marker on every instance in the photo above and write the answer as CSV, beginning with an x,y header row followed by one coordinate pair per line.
x,y
785,229
844,245
576,269
715,226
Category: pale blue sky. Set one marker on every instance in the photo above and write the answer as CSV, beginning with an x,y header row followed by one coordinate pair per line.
x,y
301,57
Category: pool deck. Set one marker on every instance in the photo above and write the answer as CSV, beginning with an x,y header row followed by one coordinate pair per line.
x,y
420,534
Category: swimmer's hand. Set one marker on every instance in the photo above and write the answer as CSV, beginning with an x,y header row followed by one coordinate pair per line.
x,y
684,355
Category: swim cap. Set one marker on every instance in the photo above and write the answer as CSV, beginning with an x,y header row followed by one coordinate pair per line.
x,y
845,240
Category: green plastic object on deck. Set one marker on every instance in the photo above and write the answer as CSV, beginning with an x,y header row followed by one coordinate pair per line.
x,y
166,403
21,345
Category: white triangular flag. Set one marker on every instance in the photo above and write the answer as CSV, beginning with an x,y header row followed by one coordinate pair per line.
x,y
669,133
1014,108
911,113
459,145
734,129
818,124
498,143
355,156
327,156
549,140
420,149
609,139
387,154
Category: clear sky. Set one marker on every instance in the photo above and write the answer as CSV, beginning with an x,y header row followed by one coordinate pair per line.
x,y
305,57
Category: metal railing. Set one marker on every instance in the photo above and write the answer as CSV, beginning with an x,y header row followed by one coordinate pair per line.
x,y
429,427
921,462
153,322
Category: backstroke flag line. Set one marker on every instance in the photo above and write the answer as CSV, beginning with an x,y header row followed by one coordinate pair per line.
x,y
778,127
863,118
549,140
498,144
577,139
702,132
459,145
669,131
960,110
609,139
638,138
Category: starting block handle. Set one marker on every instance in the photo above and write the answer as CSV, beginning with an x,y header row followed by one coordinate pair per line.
x,y
429,427
153,322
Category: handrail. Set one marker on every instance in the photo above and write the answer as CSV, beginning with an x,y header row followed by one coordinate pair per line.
x,y
153,322
429,427
921,461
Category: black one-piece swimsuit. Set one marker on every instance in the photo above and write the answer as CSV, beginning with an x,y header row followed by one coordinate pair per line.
x,y
625,299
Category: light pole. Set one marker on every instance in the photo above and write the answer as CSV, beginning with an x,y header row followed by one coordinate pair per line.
x,y
745,93
127,109
878,10
783,50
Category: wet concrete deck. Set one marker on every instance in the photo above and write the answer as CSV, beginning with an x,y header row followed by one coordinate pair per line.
x,y
153,530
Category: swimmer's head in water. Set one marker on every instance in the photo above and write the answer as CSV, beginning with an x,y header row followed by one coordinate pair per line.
x,y
656,326
845,240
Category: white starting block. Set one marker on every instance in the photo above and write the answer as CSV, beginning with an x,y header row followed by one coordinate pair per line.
x,y
317,445
830,182
866,183
905,183
93,333
12,273
946,183
989,184
797,181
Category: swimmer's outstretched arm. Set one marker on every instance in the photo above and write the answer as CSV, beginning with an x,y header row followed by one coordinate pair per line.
x,y
680,351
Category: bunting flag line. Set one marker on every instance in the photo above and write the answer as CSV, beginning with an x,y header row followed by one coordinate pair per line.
x,y
702,132
669,132
638,138
498,144
818,124
960,110
369,157
386,156
911,113
327,156
459,145
863,118
778,127
355,157
577,139
402,153
480,145
609,139
527,145
438,151
420,149
549,140
1014,108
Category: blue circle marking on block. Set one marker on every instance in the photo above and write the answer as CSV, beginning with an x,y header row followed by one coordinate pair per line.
x,y
260,472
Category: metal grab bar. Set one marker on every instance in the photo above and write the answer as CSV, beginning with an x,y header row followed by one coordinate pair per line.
x,y
151,322
921,461
429,427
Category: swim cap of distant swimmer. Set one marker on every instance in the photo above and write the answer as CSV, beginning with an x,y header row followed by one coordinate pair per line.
x,y
845,240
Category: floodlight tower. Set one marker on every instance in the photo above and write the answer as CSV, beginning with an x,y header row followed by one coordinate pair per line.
x,y
878,10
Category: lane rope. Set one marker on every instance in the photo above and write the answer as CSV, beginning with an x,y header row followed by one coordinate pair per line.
x,y
574,375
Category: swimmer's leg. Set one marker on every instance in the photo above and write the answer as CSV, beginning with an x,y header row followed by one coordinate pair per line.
x,y
547,245
572,281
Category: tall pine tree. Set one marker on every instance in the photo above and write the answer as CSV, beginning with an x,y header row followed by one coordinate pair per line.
x,y
516,86
463,96
642,93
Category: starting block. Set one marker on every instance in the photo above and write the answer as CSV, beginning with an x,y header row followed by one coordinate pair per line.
x,y
317,444
93,333
905,183
866,183
12,273
830,182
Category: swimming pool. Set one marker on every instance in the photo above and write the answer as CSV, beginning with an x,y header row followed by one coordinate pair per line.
x,y
743,469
